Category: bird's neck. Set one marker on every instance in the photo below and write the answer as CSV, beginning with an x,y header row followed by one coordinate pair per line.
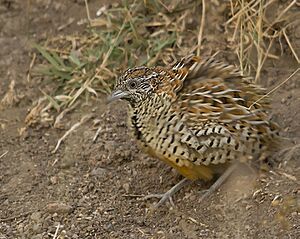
x,y
146,113
150,107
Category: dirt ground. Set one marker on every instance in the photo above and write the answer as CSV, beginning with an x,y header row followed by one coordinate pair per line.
x,y
93,189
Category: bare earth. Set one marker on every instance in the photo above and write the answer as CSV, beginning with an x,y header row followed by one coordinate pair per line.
x,y
94,190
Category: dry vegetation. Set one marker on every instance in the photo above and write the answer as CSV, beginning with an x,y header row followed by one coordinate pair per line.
x,y
152,32
87,188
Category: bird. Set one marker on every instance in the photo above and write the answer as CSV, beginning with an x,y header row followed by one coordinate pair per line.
x,y
200,115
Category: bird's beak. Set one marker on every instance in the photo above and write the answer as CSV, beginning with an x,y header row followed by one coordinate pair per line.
x,y
116,95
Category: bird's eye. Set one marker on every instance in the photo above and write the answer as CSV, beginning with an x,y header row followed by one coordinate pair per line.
x,y
132,84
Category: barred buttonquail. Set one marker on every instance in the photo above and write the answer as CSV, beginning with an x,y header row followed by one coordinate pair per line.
x,y
199,116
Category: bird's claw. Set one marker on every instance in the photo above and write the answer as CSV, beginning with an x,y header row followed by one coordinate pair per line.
x,y
163,198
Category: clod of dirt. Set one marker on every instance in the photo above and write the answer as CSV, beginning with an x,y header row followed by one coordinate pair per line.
x,y
60,208
36,216
99,172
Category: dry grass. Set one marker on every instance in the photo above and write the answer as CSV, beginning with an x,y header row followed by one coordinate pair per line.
x,y
10,97
256,29
153,32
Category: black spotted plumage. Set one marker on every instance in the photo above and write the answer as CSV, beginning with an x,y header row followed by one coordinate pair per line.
x,y
197,115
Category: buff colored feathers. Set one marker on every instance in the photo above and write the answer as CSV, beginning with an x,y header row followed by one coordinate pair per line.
x,y
195,115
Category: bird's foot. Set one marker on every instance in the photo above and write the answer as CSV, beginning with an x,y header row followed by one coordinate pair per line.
x,y
216,185
168,195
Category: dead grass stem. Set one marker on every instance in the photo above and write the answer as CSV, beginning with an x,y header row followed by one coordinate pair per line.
x,y
275,88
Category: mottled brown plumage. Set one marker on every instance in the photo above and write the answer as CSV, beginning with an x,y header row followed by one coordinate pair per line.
x,y
196,115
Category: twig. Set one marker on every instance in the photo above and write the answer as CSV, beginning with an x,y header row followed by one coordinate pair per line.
x,y
200,35
288,176
259,24
75,126
271,91
241,45
241,10
68,23
87,11
290,45
62,114
97,134
280,15
164,5
2,155
56,231
266,54
30,67
141,231
263,8
55,161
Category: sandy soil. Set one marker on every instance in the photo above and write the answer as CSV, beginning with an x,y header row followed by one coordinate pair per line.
x,y
94,189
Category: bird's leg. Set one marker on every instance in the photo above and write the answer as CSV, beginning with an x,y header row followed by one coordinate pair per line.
x,y
168,195
219,181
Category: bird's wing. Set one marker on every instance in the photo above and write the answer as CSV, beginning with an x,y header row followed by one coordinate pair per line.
x,y
213,90
214,100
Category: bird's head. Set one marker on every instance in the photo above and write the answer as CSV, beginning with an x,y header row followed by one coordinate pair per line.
x,y
135,85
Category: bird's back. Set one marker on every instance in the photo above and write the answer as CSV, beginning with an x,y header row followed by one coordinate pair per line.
x,y
204,116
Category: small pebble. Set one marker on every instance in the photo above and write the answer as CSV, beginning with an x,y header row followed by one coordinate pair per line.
x,y
58,208
36,216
